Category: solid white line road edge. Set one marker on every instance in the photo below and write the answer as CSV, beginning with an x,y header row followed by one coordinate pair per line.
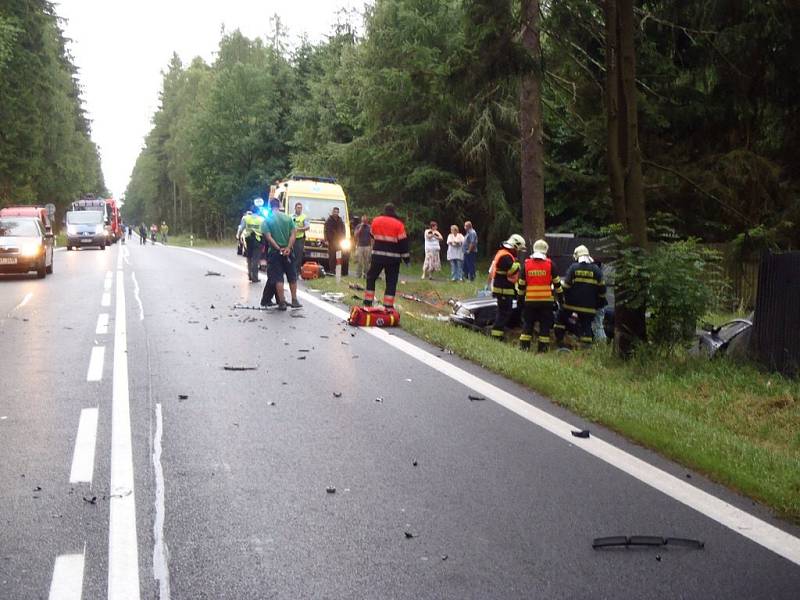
x,y
123,549
67,581
136,296
96,361
740,521
160,550
85,442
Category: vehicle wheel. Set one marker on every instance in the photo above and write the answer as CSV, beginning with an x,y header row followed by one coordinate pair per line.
x,y
49,269
103,247
41,271
69,248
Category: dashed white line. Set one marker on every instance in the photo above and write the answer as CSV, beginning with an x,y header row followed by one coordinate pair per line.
x,y
102,324
136,296
83,456
742,522
123,552
95,372
105,301
160,551
25,300
107,284
67,581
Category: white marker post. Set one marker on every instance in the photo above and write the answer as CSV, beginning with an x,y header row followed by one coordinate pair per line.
x,y
338,266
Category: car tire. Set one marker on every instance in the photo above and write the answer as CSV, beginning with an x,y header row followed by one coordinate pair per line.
x,y
49,270
41,271
102,247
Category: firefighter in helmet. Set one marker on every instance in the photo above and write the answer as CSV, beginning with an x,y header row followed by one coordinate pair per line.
x,y
504,275
584,294
540,283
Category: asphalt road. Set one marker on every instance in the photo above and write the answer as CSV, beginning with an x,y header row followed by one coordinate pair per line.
x,y
149,470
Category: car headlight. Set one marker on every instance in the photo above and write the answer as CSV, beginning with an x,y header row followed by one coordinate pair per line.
x,y
30,249
72,229
345,245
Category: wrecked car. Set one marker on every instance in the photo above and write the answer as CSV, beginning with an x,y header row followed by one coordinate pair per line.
x,y
729,339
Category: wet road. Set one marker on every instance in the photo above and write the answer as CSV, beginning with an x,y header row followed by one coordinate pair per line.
x,y
135,465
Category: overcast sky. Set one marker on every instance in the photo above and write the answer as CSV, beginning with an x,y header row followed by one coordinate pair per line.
x,y
121,47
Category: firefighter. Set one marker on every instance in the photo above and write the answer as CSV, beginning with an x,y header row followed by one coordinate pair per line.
x,y
584,294
504,275
540,283
390,247
250,231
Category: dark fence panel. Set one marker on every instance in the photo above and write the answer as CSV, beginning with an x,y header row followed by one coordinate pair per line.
x,y
561,249
776,324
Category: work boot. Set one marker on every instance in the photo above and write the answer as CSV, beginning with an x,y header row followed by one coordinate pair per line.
x,y
267,303
282,306
296,304
542,347
525,345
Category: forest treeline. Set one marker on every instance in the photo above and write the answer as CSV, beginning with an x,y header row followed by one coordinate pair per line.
x,y
46,152
419,104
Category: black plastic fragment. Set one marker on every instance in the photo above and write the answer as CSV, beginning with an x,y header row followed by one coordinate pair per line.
x,y
237,368
330,489
583,433
409,535
652,541
92,500
337,394
685,542
476,398
302,357
183,396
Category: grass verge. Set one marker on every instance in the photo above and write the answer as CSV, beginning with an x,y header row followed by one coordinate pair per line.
x,y
734,423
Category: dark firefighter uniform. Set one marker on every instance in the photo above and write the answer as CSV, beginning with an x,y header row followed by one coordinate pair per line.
x,y
540,283
504,275
584,294
390,247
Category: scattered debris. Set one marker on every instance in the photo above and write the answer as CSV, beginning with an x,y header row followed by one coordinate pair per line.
x,y
183,396
658,557
414,463
212,307
38,488
213,274
271,403
193,322
476,398
246,307
409,535
302,357
239,368
92,500
444,556
355,355
337,394
356,286
583,433
296,315
332,296
379,399
303,350
235,424
206,327
646,540
330,489
324,337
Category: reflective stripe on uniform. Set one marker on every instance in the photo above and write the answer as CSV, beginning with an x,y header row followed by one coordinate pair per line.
x,y
525,337
544,339
581,309
504,291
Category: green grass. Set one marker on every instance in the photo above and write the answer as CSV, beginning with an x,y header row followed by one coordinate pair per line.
x,y
735,423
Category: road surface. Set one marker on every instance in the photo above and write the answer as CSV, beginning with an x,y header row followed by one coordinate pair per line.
x,y
324,462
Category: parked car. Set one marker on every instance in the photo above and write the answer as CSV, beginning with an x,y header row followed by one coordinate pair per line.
x,y
39,212
729,339
24,246
86,228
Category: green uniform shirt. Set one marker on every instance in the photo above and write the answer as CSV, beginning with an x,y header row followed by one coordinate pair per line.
x,y
299,221
280,226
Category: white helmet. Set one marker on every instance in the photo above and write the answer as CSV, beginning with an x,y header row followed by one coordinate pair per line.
x,y
515,242
580,251
540,246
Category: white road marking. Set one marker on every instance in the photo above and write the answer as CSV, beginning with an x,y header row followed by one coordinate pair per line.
x,y
67,582
105,301
25,300
136,296
107,284
740,521
83,456
95,372
123,551
102,324
160,551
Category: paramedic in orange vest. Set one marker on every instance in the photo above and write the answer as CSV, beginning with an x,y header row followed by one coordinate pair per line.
x,y
504,275
540,285
390,247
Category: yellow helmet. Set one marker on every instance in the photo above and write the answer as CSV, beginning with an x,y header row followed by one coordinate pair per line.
x,y
580,251
515,242
540,246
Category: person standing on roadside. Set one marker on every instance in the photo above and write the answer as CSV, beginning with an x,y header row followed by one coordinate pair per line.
x,y
455,253
584,294
153,233
335,232
503,276
433,261
164,232
300,228
250,233
390,247
278,228
541,285
363,235
470,250
142,234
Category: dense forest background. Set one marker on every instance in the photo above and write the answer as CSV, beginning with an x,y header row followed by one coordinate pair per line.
x,y
46,152
419,104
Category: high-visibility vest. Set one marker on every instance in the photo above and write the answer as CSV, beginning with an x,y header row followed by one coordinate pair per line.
x,y
539,280
299,221
503,281
252,224
391,241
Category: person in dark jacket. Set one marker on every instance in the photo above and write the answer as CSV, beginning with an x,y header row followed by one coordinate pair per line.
x,y
503,277
584,294
335,232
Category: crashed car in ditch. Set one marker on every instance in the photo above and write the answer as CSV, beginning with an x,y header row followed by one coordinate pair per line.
x,y
478,313
729,339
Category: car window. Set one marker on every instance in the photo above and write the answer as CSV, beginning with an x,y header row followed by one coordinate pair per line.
x,y
19,228
81,217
